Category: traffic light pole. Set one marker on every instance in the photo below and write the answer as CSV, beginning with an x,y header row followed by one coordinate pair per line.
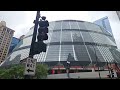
x,y
34,34
33,39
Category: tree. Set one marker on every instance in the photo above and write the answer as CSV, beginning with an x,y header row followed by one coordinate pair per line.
x,y
41,71
17,71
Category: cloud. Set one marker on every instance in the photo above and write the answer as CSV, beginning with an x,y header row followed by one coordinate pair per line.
x,y
22,21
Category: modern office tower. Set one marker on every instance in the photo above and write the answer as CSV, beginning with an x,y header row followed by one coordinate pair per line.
x,y
118,14
105,24
6,35
21,37
86,42
13,44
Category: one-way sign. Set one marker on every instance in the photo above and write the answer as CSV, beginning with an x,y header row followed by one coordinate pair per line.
x,y
30,66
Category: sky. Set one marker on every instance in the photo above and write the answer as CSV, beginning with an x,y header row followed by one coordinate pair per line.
x,y
22,21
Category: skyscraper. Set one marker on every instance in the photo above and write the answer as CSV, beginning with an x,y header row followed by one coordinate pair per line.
x,y
118,14
6,35
14,42
105,24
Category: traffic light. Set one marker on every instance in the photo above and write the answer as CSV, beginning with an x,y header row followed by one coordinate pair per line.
x,y
40,46
43,29
112,73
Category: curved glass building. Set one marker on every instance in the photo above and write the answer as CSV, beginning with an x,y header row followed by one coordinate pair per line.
x,y
88,44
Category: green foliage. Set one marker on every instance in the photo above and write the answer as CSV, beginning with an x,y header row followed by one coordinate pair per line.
x,y
17,71
41,71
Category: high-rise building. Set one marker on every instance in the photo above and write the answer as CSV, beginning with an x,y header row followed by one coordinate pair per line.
x,y
118,14
6,35
14,42
105,24
21,37
87,43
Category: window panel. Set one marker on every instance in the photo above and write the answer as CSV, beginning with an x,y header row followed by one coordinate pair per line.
x,y
76,36
92,53
66,36
65,50
87,37
65,25
81,25
25,42
81,53
57,25
99,56
106,53
74,25
55,37
53,53
92,27
99,38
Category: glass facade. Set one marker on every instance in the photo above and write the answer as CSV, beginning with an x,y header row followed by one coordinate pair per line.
x,y
85,41
105,25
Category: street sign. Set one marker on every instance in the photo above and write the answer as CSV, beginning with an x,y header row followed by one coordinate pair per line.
x,y
30,66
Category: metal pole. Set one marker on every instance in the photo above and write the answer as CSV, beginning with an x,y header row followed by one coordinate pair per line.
x,y
97,62
34,34
33,39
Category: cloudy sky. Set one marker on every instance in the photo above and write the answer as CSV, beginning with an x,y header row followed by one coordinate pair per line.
x,y
21,21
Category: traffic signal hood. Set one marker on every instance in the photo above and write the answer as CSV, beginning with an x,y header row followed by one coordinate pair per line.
x,y
43,23
39,47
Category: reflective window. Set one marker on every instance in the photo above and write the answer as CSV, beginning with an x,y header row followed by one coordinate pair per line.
x,y
25,42
99,38
111,38
105,31
40,57
65,50
106,53
74,25
53,53
76,36
66,36
99,56
92,53
87,37
24,53
65,25
81,53
51,26
57,25
81,25
55,37
93,27
116,54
